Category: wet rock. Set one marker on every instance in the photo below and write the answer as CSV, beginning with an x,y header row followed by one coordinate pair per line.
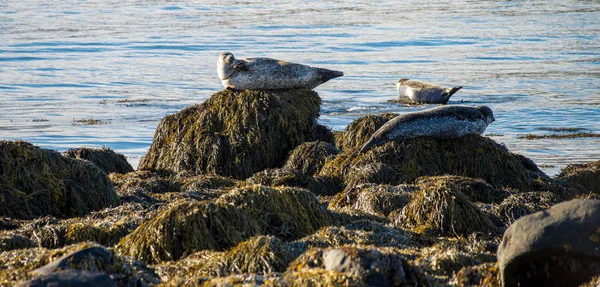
x,y
104,158
586,176
96,254
234,133
309,157
37,182
555,247
72,278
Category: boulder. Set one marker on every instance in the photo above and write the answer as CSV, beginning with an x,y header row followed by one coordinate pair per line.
x,y
104,158
555,247
234,133
37,182
71,278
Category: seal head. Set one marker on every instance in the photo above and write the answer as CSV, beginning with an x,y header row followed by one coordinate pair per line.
x,y
225,65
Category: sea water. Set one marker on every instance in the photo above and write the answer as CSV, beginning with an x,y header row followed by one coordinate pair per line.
x,y
124,65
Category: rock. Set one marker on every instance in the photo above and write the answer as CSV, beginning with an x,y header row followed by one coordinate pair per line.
x,y
36,182
234,133
104,158
374,199
97,254
555,247
309,157
71,278
586,176
374,173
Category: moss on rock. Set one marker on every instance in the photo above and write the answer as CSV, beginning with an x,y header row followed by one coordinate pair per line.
x,y
309,157
234,133
104,158
441,207
36,182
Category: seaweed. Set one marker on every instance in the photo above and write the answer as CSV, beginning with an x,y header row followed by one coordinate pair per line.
x,y
104,158
309,157
234,133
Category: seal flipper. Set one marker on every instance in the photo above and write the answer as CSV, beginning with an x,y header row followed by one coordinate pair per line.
x,y
449,92
326,75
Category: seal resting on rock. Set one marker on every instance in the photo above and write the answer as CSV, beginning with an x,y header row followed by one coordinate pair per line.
x,y
445,122
269,74
418,92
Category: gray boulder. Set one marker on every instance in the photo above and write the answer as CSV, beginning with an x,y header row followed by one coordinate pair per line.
x,y
559,246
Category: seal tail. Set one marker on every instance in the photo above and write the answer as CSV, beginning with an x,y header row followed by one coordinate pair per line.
x,y
326,75
452,91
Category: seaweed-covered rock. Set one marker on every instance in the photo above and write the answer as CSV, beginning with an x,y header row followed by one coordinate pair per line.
x,y
475,189
484,275
374,199
374,173
285,212
358,132
309,157
72,278
104,158
147,181
259,255
234,133
518,205
555,247
364,266
41,262
324,134
470,156
294,178
185,228
36,182
586,175
440,206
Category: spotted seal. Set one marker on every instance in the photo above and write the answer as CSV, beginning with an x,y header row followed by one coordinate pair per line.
x,y
418,92
445,122
269,74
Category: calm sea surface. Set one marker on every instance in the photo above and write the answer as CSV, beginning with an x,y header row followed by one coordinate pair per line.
x,y
130,63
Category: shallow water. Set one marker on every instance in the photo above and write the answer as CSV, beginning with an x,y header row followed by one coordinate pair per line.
x,y
129,63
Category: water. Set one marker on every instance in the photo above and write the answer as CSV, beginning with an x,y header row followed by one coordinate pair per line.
x,y
130,63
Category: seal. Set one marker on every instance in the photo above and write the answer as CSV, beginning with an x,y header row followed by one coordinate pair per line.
x,y
445,122
269,74
418,92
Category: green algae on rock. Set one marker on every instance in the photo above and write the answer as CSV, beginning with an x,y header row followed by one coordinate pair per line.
x,y
36,182
104,158
440,206
234,133
309,157
585,175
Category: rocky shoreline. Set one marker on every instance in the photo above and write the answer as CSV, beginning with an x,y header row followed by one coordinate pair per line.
x,y
246,189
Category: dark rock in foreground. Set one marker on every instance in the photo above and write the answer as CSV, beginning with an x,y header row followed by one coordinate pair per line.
x,y
72,278
555,247
36,182
104,158
234,133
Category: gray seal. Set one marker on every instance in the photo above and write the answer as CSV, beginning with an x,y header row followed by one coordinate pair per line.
x,y
418,92
445,122
269,74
